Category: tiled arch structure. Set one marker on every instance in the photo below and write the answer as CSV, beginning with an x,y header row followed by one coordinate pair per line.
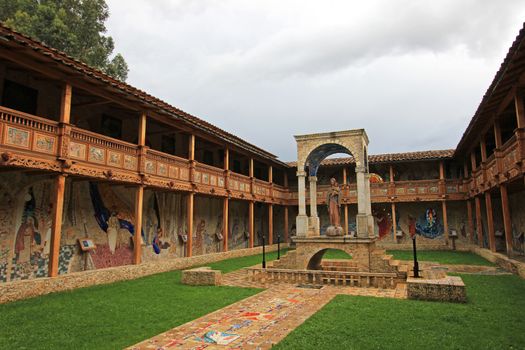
x,y
311,150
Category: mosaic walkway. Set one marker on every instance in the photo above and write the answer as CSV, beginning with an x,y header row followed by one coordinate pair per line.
x,y
257,322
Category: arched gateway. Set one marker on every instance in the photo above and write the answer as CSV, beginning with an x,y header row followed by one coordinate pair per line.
x,y
311,150
310,245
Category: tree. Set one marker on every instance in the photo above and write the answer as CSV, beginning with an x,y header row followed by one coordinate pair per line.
x,y
75,27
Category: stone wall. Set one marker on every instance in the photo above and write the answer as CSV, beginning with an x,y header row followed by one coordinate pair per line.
x,y
24,289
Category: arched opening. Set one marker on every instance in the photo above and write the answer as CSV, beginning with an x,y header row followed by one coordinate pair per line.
x,y
317,155
330,259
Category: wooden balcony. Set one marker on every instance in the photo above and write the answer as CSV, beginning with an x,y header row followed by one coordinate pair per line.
x,y
34,143
504,165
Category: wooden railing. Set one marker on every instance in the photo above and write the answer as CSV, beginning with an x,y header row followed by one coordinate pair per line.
x,y
166,165
323,277
239,182
209,175
28,132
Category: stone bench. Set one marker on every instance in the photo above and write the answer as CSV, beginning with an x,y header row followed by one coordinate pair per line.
x,y
202,276
449,288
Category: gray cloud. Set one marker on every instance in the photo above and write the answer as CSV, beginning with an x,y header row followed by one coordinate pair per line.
x,y
410,72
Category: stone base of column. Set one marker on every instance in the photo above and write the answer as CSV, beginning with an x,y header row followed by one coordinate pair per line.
x,y
365,226
313,227
301,225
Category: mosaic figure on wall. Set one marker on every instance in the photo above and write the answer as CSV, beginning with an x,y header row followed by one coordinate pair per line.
x,y
428,225
384,222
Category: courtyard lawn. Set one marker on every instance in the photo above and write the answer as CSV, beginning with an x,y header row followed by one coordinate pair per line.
x,y
492,319
336,254
115,315
449,257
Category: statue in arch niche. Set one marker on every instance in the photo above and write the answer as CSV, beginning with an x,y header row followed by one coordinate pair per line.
x,y
333,201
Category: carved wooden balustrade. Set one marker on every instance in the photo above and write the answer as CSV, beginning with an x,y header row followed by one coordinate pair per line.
x,y
32,142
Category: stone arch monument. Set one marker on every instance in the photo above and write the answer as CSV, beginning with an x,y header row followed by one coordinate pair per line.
x,y
314,148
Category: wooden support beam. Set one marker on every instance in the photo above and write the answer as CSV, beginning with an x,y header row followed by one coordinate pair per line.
x,y
507,223
394,219
251,167
189,223
445,221
56,224
483,147
225,223
227,159
465,170
270,174
270,223
479,226
345,180
470,222
142,129
251,223
520,110
65,104
137,238
285,238
191,147
441,170
497,134
473,165
490,221
391,171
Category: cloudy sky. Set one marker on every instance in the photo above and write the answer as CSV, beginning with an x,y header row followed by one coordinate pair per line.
x,y
412,73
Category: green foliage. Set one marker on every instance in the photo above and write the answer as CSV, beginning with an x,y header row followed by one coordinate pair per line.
x,y
75,27
448,257
490,320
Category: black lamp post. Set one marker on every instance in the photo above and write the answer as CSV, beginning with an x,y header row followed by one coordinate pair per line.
x,y
416,264
264,252
278,246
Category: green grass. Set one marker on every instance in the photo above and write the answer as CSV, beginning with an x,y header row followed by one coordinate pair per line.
x,y
442,256
492,319
115,315
336,254
235,264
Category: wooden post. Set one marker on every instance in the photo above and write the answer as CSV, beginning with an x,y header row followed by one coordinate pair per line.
x,y
191,147
227,159
285,238
445,221
391,170
189,223
394,219
497,134
250,222
507,223
483,147
251,167
142,130
270,223
65,104
520,110
470,221
56,224
137,238
270,174
465,171
490,221
479,226
225,223
441,170
473,161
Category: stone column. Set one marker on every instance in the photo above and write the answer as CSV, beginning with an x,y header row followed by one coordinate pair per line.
x,y
364,219
313,221
302,219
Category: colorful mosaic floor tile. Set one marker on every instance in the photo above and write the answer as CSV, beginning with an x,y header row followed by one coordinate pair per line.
x,y
257,322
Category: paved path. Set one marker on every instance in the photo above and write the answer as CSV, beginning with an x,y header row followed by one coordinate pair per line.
x,y
261,320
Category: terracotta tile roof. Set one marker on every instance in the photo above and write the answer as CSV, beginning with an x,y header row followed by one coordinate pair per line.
x,y
506,79
390,157
9,35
